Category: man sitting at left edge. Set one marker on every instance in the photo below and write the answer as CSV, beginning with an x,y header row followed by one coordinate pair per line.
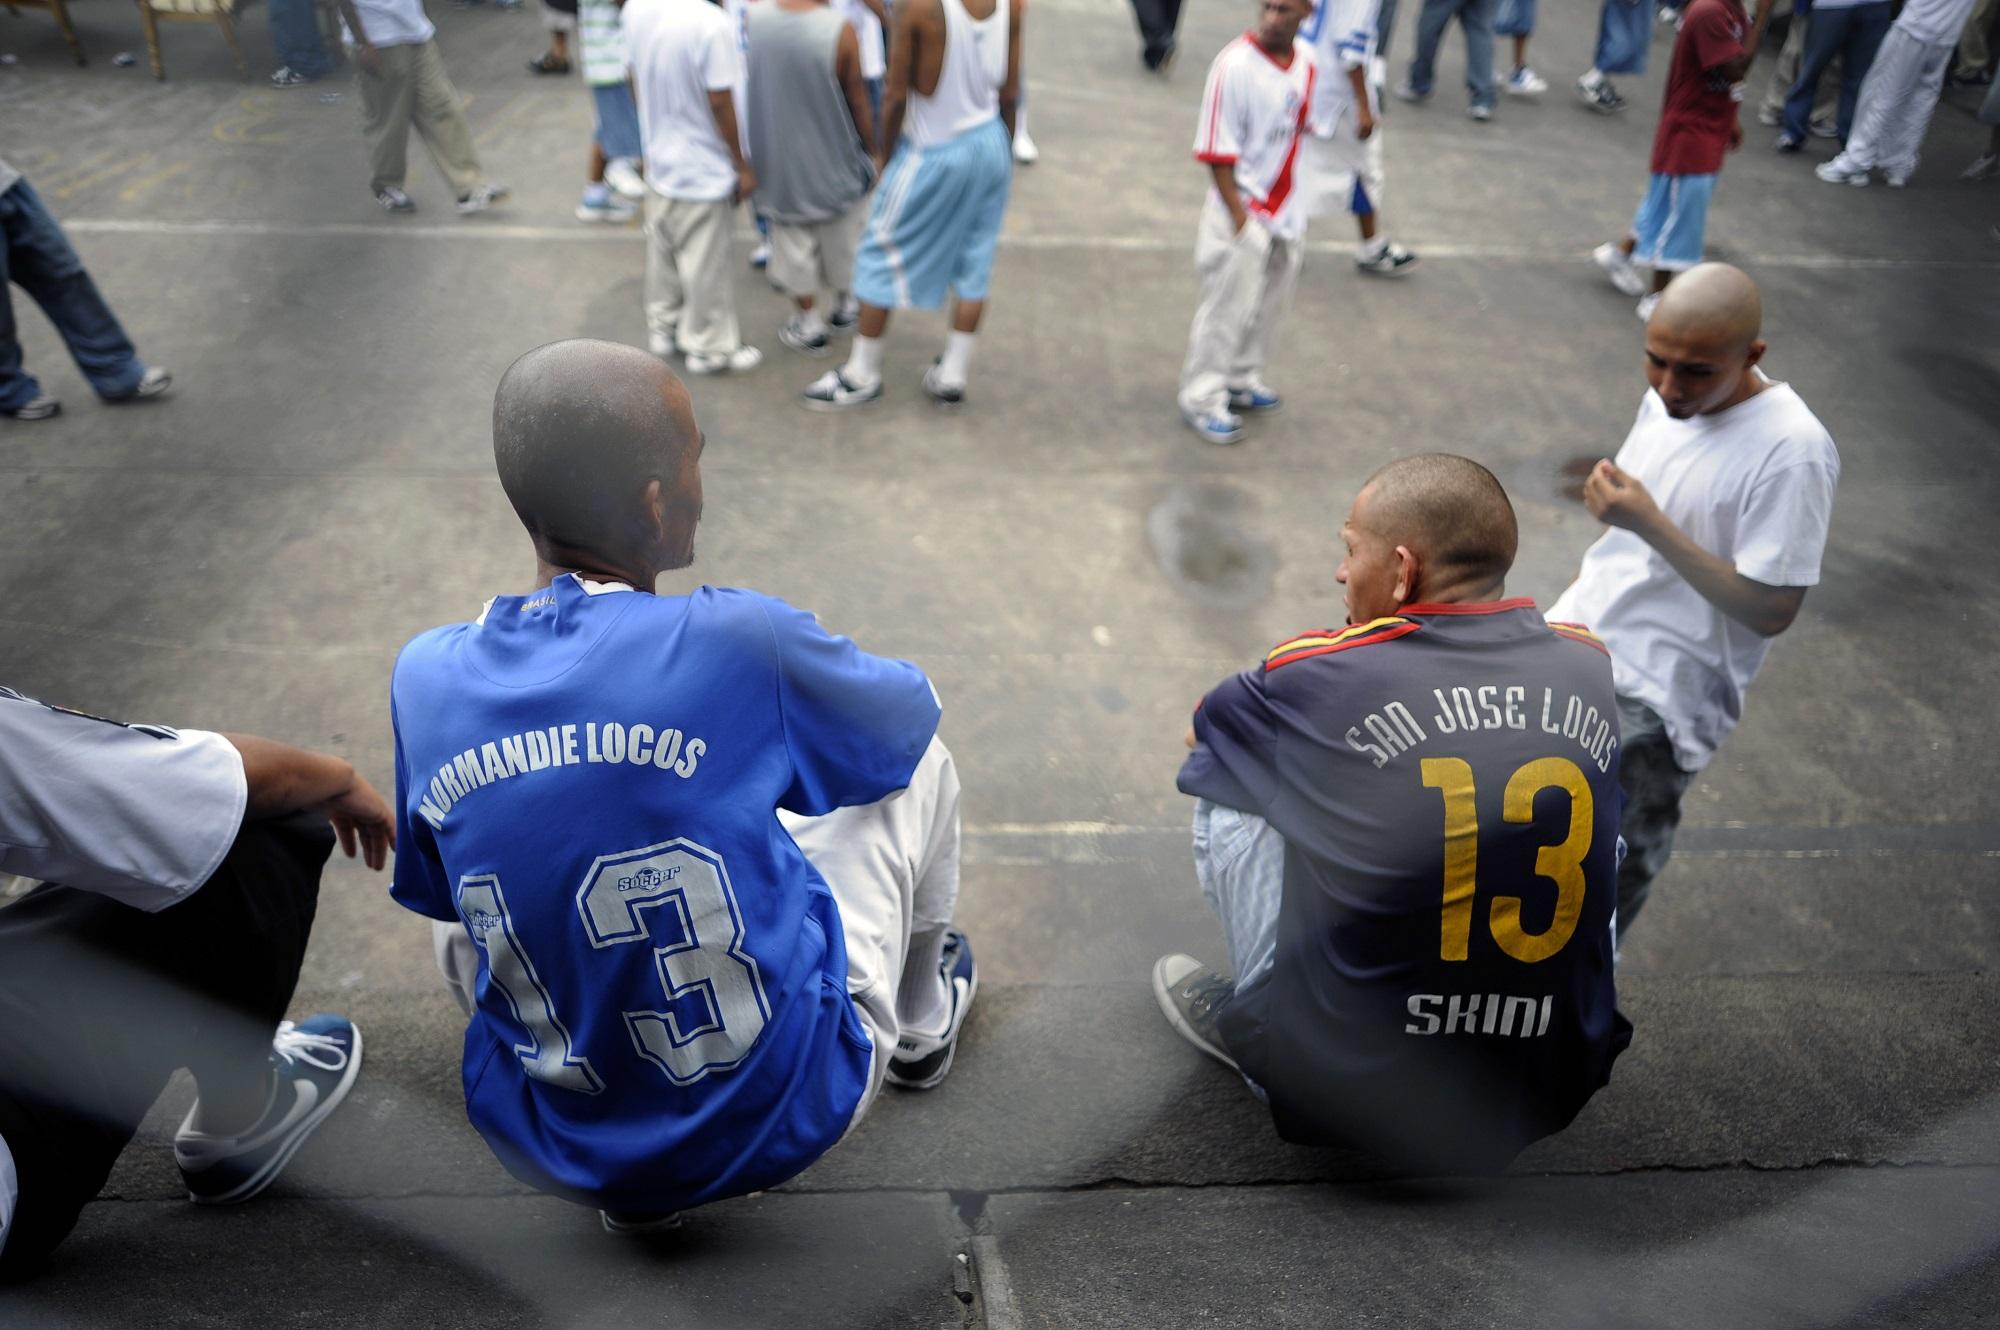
x,y
189,867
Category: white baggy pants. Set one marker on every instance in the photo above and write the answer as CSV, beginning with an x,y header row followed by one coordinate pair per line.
x,y
1246,281
893,870
690,275
1893,110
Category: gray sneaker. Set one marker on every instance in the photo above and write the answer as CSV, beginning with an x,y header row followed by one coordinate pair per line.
x,y
151,384
1192,997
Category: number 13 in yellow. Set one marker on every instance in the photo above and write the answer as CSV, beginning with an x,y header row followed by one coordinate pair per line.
x,y
1561,864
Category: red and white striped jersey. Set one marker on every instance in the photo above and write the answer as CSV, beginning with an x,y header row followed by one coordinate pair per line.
x,y
1253,114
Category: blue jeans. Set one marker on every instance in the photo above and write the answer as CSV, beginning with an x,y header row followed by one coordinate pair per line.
x,y
1476,17
37,257
1385,25
1624,31
1852,33
295,37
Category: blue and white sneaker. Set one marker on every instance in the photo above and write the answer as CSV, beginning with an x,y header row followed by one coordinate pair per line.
x,y
313,1065
1256,397
914,1069
1221,428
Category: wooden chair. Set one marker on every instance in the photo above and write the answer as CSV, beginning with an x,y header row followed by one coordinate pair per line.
x,y
60,9
219,12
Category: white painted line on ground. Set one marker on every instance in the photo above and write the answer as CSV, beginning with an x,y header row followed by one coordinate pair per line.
x,y
995,1290
1127,244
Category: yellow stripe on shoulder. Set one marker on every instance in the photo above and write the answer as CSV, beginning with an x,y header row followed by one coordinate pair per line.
x,y
1322,639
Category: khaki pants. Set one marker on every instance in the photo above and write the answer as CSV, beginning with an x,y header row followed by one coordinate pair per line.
x,y
690,277
1246,282
413,89
1974,49
809,257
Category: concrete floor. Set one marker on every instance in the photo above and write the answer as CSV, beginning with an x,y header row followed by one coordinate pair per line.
x,y
1804,1132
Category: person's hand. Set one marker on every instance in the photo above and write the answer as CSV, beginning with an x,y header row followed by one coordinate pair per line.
x,y
365,56
361,819
1735,135
1364,122
881,164
1241,216
1615,498
1189,738
746,182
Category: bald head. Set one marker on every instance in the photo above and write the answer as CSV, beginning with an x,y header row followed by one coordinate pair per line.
x,y
581,429
1713,302
1450,511
1704,339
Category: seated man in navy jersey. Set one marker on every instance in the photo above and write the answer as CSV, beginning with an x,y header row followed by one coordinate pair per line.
x,y
693,860
1409,829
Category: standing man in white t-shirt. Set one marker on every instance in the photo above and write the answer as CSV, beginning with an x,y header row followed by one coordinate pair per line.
x,y
1344,153
1718,505
403,83
686,67
1252,233
179,875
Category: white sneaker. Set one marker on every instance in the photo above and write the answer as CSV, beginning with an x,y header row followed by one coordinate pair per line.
x,y
793,334
1525,82
1618,266
1647,304
1479,113
1025,151
482,198
834,391
760,257
622,174
1826,127
1392,260
1839,172
1771,116
740,361
611,209
661,344
1894,180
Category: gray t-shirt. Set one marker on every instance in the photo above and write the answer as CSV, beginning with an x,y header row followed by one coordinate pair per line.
x,y
810,162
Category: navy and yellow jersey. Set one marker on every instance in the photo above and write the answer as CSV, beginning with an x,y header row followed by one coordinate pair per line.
x,y
1446,781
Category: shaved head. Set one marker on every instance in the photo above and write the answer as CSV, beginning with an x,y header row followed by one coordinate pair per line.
x,y
583,433
1424,527
1712,301
1703,340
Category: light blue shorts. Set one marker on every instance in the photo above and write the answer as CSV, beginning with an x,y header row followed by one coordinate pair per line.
x,y
1672,221
617,120
935,221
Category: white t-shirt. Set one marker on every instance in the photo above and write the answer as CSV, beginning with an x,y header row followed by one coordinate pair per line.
x,y
1252,114
1341,34
391,22
1935,22
868,29
682,50
1753,485
140,813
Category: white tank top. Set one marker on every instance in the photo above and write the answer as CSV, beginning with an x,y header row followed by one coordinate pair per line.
x,y
968,86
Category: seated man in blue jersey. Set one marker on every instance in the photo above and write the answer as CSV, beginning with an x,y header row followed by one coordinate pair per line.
x,y
1408,827
694,860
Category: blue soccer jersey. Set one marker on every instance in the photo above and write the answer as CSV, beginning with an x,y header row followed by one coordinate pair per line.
x,y
588,778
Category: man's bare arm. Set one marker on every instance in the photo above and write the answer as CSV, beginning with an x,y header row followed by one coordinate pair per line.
x,y
1225,185
1740,66
1364,119
902,71
1010,89
847,69
1617,499
283,779
364,50
722,105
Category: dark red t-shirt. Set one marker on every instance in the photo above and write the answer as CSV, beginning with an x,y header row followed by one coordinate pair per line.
x,y
1699,110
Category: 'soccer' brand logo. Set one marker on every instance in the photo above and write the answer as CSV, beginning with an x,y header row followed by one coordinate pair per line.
x,y
649,879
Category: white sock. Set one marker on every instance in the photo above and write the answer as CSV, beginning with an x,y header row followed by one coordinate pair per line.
x,y
1369,249
864,363
1593,78
810,323
957,358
